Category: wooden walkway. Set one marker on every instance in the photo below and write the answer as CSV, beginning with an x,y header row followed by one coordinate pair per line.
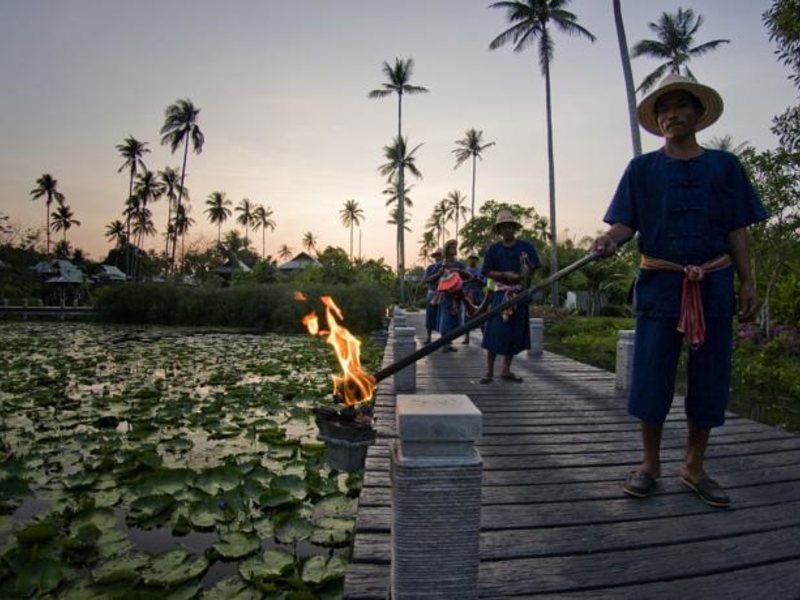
x,y
555,523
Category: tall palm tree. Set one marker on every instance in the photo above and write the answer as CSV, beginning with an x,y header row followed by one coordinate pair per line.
x,y
427,245
147,189
310,242
245,210
133,151
533,20
351,216
115,232
675,37
457,207
262,218
63,220
399,159
285,252
171,181
398,79
180,126
437,222
218,211
630,93
471,146
47,186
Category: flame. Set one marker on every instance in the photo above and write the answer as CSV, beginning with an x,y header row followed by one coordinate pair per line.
x,y
355,386
299,296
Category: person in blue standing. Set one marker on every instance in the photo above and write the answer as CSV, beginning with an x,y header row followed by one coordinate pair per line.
x,y
689,207
473,289
509,262
430,277
449,292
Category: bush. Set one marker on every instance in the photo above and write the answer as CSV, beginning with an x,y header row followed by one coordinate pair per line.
x,y
262,307
591,340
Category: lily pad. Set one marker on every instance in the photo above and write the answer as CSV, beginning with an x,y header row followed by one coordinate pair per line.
x,y
218,479
293,530
232,588
317,570
122,568
330,531
37,533
173,568
41,576
150,511
271,565
237,545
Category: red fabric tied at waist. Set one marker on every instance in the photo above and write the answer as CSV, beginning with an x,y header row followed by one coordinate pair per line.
x,y
692,322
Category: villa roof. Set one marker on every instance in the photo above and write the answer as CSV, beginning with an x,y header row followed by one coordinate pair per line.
x,y
301,261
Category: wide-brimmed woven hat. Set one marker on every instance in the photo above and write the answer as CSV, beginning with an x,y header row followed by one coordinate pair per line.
x,y
437,252
505,216
708,97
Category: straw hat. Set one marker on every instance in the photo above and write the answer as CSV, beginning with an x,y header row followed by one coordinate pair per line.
x,y
708,97
437,252
505,216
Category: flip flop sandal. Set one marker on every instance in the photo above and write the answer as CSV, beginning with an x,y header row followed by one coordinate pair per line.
x,y
639,484
709,491
511,377
485,380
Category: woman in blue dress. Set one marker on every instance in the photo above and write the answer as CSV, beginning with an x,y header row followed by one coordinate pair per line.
x,y
509,263
450,297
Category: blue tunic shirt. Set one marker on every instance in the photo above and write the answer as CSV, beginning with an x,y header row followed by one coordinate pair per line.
x,y
683,211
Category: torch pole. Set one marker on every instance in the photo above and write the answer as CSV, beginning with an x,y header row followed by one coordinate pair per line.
x,y
479,320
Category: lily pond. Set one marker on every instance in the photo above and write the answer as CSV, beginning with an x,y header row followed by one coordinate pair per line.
x,y
168,463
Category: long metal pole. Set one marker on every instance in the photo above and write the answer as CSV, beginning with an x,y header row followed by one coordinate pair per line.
x,y
479,320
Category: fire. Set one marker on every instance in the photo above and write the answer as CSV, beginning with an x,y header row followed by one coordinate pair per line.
x,y
355,386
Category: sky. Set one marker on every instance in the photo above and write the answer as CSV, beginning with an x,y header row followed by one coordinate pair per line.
x,y
282,87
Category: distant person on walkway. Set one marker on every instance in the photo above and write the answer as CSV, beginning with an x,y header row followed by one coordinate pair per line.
x,y
689,208
449,292
430,278
473,289
510,263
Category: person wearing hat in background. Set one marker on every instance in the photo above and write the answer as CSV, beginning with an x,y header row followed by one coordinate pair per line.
x,y
689,207
449,292
473,289
430,277
509,263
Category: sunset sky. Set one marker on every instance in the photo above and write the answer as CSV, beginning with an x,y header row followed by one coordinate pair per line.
x,y
282,87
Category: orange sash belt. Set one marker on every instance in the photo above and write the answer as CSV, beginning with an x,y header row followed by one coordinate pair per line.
x,y
692,322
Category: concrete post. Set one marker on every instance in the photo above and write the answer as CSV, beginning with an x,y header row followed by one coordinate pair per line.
x,y
405,380
436,498
625,358
537,336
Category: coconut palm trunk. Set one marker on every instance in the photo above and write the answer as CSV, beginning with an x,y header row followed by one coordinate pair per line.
x,y
630,91
180,197
474,168
401,200
551,175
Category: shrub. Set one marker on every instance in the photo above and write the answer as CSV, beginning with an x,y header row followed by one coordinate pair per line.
x,y
262,307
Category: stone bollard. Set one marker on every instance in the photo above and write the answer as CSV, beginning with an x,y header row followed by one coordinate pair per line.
x,y
405,380
537,336
436,498
625,358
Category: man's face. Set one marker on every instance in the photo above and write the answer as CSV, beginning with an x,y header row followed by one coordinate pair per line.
x,y
507,230
472,262
677,114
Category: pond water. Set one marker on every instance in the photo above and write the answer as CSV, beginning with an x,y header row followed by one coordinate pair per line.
x,y
166,461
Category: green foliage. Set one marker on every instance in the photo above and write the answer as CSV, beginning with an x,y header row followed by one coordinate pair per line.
x,y
478,233
589,340
262,307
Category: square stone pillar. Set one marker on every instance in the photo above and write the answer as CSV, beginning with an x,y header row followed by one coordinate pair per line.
x,y
625,358
404,343
436,498
537,336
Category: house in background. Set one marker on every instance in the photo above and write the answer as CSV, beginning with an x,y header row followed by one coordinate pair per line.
x,y
233,265
108,274
64,281
298,263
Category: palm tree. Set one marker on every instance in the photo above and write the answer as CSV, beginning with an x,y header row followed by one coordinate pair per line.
x,y
181,225
46,186
285,252
147,189
437,223
245,210
262,218
630,93
180,125
457,207
675,33
532,20
427,245
351,215
727,143
132,150
218,211
115,232
63,219
310,242
398,78
471,146
171,181
399,159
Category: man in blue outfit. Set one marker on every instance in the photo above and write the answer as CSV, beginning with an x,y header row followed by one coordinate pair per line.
x,y
689,208
509,263
473,288
430,277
